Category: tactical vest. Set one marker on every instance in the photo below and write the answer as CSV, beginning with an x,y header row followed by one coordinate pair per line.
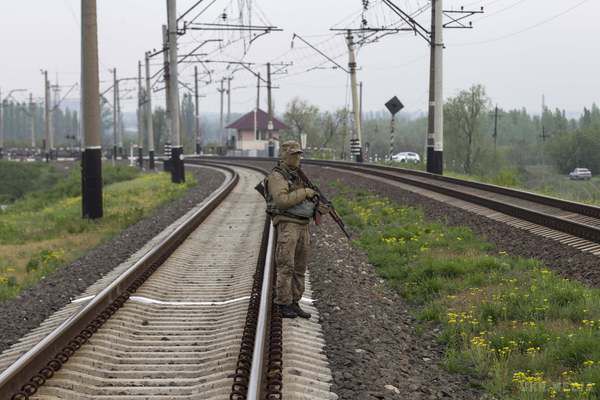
x,y
304,210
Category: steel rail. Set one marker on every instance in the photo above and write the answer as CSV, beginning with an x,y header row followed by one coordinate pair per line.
x,y
566,205
31,370
551,221
250,382
256,373
579,229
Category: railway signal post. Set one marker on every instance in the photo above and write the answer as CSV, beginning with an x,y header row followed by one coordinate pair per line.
x,y
91,160
394,106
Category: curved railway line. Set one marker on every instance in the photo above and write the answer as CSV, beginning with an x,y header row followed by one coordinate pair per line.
x,y
570,223
191,318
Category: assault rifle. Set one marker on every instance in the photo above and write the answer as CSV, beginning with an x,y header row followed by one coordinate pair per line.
x,y
322,199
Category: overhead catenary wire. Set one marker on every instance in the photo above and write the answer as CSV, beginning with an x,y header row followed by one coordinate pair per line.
x,y
531,27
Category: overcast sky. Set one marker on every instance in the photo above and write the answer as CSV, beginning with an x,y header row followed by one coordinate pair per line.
x,y
518,49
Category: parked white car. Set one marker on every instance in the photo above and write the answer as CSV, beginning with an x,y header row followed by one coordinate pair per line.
x,y
580,173
407,157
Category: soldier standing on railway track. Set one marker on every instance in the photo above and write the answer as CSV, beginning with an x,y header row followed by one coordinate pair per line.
x,y
290,204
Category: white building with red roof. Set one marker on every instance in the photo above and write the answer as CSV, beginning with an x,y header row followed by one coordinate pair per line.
x,y
252,136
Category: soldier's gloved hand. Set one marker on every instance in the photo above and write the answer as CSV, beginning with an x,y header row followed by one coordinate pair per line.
x,y
324,208
310,193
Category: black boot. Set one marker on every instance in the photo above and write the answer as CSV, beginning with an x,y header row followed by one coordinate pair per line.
x,y
300,312
287,311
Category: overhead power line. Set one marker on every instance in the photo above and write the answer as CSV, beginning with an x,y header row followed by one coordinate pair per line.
x,y
507,36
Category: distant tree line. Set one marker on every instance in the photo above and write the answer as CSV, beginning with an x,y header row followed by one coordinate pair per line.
x,y
17,124
522,139
470,143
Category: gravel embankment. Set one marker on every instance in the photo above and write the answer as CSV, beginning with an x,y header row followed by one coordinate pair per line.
x,y
371,342
18,316
565,260
370,335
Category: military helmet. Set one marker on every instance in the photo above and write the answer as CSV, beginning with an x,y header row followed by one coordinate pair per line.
x,y
290,147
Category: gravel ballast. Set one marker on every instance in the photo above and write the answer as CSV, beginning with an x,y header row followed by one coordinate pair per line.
x,y
373,348
25,312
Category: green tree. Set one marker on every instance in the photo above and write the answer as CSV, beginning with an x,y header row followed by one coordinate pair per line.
x,y
302,117
464,117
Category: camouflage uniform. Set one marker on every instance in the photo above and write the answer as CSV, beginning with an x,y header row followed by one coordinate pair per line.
x,y
287,190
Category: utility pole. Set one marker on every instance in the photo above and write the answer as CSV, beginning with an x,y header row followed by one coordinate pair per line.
x,y
140,118
197,112
355,146
270,111
115,114
149,120
32,112
256,131
221,122
46,116
228,120
495,128
91,160
53,110
120,124
435,131
360,96
177,165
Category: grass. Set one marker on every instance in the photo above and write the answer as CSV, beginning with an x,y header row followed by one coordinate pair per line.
x,y
40,233
18,179
519,329
540,180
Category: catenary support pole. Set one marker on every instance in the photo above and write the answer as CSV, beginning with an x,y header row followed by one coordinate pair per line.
x,y
53,110
256,129
167,78
360,103
228,118
197,112
221,120
149,119
270,111
91,160
140,115
120,127
115,114
32,114
47,121
495,129
177,165
435,135
356,141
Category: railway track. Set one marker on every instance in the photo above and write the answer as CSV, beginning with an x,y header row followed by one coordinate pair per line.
x,y
189,319
570,223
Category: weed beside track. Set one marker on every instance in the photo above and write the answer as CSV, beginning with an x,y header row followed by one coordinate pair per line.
x,y
521,330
